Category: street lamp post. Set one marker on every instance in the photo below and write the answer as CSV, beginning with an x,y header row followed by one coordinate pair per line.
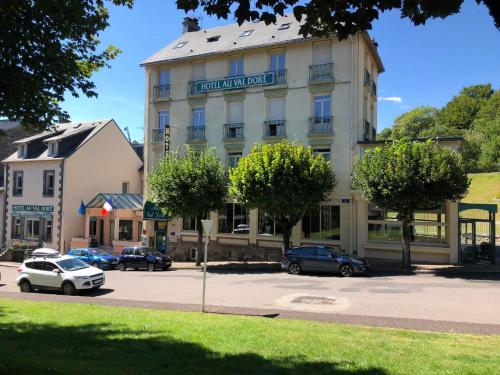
x,y
207,227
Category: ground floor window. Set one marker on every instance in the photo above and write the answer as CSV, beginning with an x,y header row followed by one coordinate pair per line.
x,y
125,230
427,226
323,151
48,230
32,229
234,218
322,223
189,224
17,232
267,226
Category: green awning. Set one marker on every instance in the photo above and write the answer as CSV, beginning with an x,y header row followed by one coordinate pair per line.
x,y
153,212
33,214
477,206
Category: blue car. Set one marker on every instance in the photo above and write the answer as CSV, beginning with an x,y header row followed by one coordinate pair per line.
x,y
95,257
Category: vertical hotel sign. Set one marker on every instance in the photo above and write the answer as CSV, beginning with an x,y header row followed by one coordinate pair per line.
x,y
231,83
167,139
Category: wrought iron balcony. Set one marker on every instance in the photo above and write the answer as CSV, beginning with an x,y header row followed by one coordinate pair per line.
x,y
321,72
275,128
367,79
233,131
157,135
367,133
161,91
320,125
280,76
196,133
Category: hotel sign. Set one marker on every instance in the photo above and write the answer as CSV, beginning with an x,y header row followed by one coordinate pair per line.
x,y
32,208
232,83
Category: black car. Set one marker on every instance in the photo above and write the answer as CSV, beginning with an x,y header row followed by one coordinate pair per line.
x,y
322,259
143,257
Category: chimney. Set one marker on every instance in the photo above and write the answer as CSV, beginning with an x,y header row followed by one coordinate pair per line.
x,y
190,24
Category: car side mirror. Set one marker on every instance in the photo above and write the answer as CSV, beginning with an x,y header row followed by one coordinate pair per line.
x,y
56,270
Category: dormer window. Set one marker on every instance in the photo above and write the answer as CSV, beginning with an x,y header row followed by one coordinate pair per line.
x,y
52,149
22,151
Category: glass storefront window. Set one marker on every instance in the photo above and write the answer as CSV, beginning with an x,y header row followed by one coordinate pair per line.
x,y
267,226
234,218
125,230
322,223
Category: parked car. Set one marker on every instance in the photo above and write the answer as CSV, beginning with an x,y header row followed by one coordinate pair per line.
x,y
322,259
143,257
48,269
95,257
242,229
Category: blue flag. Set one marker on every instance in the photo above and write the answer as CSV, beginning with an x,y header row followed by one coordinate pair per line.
x,y
81,210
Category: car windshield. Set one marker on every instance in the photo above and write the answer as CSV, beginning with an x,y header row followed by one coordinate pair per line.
x,y
72,264
99,252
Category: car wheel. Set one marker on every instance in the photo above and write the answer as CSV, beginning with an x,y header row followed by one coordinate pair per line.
x,y
294,268
25,286
68,288
346,270
151,267
122,267
96,265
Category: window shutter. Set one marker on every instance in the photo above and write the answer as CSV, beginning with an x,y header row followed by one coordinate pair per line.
x,y
236,113
198,71
322,53
276,109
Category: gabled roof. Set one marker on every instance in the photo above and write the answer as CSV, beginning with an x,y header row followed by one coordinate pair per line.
x,y
118,201
230,38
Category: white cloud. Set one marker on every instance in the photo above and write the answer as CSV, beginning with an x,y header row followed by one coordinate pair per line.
x,y
394,99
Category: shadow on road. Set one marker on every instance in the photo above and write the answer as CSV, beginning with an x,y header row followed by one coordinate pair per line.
x,y
83,293
465,274
113,349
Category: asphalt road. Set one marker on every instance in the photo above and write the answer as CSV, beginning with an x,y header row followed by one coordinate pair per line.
x,y
468,299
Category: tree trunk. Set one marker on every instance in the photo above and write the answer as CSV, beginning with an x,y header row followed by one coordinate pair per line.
x,y
286,240
199,250
405,222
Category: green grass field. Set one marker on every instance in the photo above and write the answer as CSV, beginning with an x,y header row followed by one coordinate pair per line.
x,y
484,188
58,338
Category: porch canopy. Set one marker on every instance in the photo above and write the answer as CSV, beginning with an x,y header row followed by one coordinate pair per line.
x,y
118,201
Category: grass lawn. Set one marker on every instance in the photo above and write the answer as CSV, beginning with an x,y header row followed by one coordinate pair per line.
x,y
57,338
484,188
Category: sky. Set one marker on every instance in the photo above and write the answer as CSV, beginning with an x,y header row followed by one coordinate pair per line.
x,y
424,65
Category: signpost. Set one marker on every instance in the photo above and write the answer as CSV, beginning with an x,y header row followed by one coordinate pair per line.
x,y
232,83
207,228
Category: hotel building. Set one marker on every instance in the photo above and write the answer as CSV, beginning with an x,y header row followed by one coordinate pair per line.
x,y
233,86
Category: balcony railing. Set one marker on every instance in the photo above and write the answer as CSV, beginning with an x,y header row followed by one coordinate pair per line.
x,y
161,91
321,72
196,133
367,130
275,128
367,79
321,125
157,135
280,77
233,131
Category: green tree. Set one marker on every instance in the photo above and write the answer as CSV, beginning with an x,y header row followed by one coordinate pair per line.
x,y
406,176
415,122
284,180
48,47
487,127
191,184
385,134
341,17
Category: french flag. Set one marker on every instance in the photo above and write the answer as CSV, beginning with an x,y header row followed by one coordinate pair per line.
x,y
107,207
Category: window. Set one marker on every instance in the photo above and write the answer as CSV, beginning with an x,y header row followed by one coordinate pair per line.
x,y
276,109
322,53
192,253
322,106
236,66
93,227
164,77
323,151
163,119
22,151
284,26
233,158
267,226
125,230
322,223
198,71
125,187
427,226
32,229
48,183
189,224
17,232
235,112
277,61
199,117
52,149
234,218
180,45
246,33
17,188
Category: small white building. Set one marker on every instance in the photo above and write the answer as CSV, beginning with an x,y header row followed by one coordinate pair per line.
x,y
53,172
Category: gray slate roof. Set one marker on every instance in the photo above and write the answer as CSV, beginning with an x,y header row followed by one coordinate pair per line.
x,y
118,201
230,39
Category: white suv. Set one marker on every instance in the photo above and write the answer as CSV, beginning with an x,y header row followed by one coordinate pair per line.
x,y
58,272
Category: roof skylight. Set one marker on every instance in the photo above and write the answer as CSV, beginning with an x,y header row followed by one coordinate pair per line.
x,y
246,33
284,26
180,44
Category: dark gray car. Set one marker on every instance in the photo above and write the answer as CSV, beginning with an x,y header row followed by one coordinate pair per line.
x,y
322,259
